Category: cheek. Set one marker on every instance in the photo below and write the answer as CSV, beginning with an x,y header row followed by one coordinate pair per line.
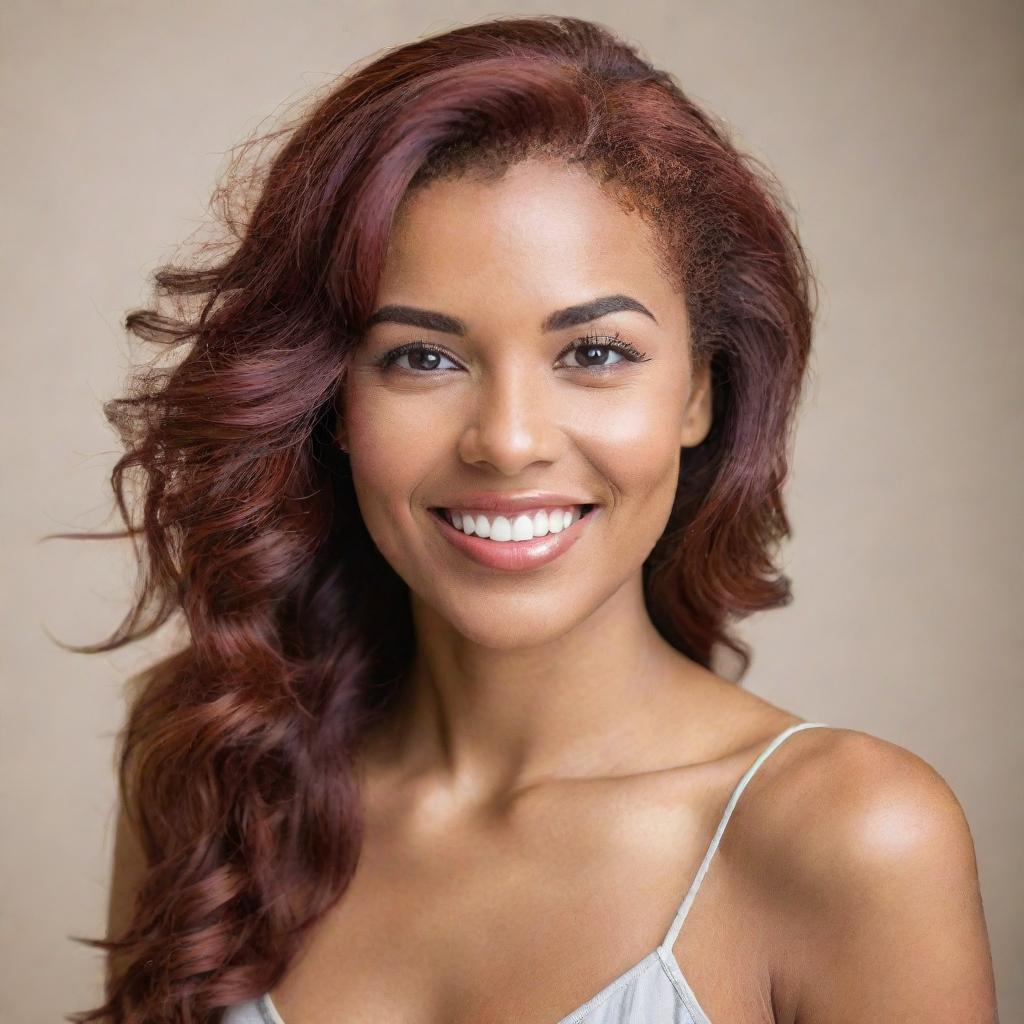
x,y
639,459
639,433
387,463
385,436
635,448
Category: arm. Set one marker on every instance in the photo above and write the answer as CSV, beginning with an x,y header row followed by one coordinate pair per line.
x,y
889,923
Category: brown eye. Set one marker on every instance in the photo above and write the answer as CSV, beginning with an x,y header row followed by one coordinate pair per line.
x,y
422,358
591,352
595,355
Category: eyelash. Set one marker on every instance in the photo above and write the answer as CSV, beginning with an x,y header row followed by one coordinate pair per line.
x,y
614,343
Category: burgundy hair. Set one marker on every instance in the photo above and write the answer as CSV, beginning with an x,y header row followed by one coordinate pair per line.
x,y
236,760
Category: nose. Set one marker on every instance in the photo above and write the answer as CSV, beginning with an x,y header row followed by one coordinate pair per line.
x,y
513,422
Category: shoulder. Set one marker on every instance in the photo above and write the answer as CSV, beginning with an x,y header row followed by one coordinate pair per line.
x,y
873,878
859,801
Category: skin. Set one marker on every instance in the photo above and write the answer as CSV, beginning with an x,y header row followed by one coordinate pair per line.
x,y
519,674
538,807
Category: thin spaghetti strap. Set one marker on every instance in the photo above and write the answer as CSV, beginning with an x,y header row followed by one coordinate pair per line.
x,y
670,936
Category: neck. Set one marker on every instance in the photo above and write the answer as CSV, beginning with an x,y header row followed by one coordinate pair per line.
x,y
484,722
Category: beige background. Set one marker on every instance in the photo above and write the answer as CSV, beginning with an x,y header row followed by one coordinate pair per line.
x,y
896,127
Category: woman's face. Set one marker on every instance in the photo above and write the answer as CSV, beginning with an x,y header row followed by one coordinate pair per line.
x,y
515,399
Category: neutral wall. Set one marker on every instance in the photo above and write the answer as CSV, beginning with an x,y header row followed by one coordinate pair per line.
x,y
896,128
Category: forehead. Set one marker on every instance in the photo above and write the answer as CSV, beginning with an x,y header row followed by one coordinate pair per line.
x,y
544,230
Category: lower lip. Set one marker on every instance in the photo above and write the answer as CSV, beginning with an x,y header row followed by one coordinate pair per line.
x,y
514,555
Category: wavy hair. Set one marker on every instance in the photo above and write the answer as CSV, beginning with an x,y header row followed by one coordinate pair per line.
x,y
236,760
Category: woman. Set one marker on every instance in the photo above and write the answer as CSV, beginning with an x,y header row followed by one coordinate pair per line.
x,y
476,449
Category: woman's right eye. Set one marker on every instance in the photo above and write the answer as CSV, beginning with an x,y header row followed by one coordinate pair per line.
x,y
428,357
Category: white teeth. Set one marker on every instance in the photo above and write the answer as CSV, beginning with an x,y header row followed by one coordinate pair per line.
x,y
526,526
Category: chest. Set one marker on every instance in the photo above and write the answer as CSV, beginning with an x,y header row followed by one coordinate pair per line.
x,y
524,920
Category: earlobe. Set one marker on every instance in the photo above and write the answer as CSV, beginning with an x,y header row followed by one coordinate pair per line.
x,y
699,412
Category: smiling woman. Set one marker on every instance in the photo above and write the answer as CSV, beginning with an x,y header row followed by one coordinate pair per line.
x,y
499,373
474,453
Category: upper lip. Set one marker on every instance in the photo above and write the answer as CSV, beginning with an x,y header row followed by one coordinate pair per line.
x,y
495,501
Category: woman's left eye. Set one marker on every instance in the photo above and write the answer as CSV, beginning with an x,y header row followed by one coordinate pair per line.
x,y
600,343
592,346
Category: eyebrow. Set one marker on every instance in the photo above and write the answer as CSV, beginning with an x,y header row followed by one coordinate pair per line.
x,y
571,316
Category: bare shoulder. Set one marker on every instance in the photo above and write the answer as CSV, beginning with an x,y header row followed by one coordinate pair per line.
x,y
857,797
874,884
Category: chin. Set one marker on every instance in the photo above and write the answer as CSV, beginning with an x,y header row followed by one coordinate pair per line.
x,y
506,627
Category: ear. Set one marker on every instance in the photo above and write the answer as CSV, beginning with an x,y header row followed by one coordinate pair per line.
x,y
698,413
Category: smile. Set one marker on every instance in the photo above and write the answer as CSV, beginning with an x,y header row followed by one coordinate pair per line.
x,y
515,543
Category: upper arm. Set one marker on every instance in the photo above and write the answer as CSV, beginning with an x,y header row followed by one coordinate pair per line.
x,y
887,920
